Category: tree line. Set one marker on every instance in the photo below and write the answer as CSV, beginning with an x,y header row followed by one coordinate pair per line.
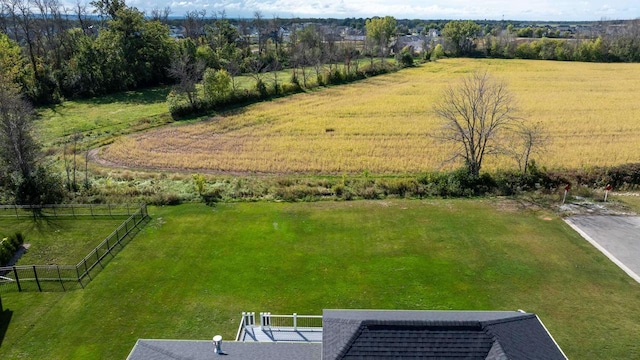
x,y
606,43
53,52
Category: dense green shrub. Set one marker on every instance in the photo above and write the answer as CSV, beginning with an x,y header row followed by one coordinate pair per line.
x,y
378,68
9,246
625,176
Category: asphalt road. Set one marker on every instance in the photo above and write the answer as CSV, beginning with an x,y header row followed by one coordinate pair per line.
x,y
618,237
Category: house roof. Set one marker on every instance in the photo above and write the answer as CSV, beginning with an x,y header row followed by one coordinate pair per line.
x,y
387,334
204,350
399,334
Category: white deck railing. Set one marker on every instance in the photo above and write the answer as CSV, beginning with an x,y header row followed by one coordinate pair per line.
x,y
270,321
273,328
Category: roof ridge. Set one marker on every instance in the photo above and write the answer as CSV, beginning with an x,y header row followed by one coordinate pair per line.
x,y
345,349
485,325
507,320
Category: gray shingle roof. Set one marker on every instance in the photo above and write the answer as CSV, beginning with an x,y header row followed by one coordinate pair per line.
x,y
386,334
203,350
524,338
398,334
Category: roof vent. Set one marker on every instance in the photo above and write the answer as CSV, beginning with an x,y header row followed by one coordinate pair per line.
x,y
522,311
217,345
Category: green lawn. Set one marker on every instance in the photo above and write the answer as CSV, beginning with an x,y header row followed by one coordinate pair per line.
x,y
194,269
60,241
633,201
102,118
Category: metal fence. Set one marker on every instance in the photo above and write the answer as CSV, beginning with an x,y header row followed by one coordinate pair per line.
x,y
69,210
65,277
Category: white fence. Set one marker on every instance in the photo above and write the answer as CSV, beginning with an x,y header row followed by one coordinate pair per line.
x,y
270,324
296,322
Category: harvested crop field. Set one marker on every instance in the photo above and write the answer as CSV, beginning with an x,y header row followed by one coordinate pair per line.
x,y
382,125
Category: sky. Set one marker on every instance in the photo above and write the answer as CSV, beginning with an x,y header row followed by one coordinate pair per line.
x,y
541,10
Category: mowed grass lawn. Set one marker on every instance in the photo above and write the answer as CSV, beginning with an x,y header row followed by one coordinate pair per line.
x,y
194,269
102,118
60,241
383,124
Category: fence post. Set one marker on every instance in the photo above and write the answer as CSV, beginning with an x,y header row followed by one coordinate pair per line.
x,y
86,270
73,213
108,246
109,205
78,276
118,236
35,274
15,207
15,272
91,209
295,322
60,278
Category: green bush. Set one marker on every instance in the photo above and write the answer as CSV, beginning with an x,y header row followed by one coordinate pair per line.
x,y
299,192
378,68
9,246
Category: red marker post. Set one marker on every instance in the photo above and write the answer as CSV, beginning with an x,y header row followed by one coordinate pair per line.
x,y
566,190
606,191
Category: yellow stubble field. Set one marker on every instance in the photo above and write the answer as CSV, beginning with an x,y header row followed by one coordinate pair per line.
x,y
382,125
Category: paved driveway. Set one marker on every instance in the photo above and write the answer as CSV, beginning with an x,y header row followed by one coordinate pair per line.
x,y
618,237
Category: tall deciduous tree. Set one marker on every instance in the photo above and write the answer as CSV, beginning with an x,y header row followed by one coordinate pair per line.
x,y
11,62
381,30
478,117
461,35
20,172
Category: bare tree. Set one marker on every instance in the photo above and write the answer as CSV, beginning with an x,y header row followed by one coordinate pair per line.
x,y
529,140
194,22
20,172
161,15
477,115
80,11
258,23
187,72
17,147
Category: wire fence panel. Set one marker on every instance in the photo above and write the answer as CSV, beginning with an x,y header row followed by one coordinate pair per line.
x,y
66,277
68,210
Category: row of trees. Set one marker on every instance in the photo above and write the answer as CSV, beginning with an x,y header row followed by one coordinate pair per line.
x,y
71,56
67,53
68,56
613,44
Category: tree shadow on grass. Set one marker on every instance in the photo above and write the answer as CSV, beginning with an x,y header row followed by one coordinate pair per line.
x,y
139,97
5,319
142,96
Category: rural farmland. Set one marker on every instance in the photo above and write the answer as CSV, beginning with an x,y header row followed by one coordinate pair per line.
x,y
382,125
